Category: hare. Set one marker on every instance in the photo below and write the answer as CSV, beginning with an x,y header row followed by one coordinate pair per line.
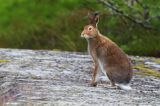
x,y
107,56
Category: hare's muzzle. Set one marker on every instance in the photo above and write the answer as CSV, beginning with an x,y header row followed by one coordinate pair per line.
x,y
82,34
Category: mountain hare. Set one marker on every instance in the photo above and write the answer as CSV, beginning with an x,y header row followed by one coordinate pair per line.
x,y
107,56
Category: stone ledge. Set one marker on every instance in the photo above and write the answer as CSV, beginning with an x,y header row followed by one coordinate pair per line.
x,y
39,77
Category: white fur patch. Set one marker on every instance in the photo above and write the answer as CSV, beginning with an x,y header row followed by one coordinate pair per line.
x,y
124,87
101,65
85,36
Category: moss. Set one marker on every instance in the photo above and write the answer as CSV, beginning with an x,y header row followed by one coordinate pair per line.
x,y
156,61
146,71
4,61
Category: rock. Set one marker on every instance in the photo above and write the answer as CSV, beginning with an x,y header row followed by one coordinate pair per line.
x,y
153,65
62,79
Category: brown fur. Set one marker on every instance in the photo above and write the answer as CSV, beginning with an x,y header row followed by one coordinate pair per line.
x,y
115,61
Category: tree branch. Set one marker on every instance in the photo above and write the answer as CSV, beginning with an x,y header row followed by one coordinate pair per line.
x,y
111,5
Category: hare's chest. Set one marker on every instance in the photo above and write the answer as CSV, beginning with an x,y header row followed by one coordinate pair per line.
x,y
93,53
96,53
102,66
90,51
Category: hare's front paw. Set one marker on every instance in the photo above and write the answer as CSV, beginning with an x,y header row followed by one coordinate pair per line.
x,y
93,84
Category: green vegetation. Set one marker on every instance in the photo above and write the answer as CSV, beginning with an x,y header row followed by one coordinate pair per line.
x,y
57,24
146,71
156,60
4,61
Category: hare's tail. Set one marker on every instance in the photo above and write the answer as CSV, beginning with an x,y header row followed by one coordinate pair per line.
x,y
124,87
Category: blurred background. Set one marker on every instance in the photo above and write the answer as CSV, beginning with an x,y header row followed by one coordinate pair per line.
x,y
57,24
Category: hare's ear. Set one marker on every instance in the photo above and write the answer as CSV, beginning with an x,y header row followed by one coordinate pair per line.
x,y
96,18
93,18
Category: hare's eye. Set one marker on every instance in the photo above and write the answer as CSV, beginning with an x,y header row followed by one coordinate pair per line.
x,y
89,28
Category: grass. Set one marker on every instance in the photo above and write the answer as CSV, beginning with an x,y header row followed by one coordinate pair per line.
x,y
146,71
